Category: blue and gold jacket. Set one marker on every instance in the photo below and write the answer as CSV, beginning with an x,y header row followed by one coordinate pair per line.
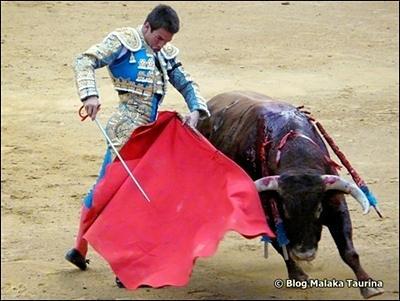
x,y
140,77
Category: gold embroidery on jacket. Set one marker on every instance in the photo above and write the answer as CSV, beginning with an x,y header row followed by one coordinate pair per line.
x,y
129,37
146,64
169,51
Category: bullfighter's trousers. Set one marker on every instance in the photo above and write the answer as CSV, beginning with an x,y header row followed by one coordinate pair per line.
x,y
90,211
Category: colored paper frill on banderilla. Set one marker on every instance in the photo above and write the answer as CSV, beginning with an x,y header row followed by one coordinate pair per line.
x,y
197,194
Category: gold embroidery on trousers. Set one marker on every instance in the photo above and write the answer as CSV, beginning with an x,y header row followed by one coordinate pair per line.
x,y
126,119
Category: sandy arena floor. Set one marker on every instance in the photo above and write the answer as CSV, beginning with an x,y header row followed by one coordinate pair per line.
x,y
339,59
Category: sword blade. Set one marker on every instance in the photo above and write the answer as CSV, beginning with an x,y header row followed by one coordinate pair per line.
x,y
122,161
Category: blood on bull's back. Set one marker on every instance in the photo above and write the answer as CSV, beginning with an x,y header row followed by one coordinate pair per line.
x,y
248,127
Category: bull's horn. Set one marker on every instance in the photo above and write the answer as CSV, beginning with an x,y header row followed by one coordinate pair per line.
x,y
336,182
267,183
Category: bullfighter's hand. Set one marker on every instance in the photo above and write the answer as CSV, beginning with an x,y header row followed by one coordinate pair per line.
x,y
192,119
92,105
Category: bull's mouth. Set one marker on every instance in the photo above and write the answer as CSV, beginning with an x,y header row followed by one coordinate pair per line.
x,y
308,255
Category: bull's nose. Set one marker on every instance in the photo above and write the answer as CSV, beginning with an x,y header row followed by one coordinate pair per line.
x,y
301,254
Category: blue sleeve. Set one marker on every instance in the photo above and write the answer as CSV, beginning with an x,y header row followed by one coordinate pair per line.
x,y
95,57
182,81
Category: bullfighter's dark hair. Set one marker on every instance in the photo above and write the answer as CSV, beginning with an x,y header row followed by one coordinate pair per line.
x,y
163,16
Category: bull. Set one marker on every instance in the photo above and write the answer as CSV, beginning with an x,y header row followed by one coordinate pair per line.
x,y
279,147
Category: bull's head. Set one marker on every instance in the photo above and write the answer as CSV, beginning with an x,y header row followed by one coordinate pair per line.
x,y
301,199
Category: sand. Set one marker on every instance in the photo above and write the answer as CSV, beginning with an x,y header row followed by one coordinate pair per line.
x,y
339,59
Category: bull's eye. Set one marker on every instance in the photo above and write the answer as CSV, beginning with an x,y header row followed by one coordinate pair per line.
x,y
318,211
285,212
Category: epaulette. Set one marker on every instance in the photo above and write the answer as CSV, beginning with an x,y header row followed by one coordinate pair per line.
x,y
169,51
129,37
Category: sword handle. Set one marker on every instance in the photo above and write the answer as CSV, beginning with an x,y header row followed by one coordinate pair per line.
x,y
83,117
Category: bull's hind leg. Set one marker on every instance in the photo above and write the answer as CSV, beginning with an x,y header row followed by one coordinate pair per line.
x,y
339,224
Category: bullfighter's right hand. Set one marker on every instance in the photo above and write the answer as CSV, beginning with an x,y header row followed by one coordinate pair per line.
x,y
92,105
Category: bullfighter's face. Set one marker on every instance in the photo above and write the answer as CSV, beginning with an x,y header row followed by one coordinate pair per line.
x,y
157,38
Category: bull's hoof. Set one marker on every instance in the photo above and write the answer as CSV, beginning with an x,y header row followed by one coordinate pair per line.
x,y
369,292
297,273
301,277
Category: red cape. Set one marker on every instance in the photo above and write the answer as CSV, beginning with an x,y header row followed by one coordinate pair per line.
x,y
197,194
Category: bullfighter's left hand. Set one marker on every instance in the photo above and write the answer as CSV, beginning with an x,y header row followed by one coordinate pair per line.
x,y
192,119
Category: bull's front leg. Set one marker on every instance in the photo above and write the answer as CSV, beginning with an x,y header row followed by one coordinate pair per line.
x,y
337,219
294,270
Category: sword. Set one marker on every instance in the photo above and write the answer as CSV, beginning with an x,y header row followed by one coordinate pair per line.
x,y
117,153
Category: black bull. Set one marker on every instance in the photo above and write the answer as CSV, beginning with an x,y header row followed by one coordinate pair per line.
x,y
278,146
